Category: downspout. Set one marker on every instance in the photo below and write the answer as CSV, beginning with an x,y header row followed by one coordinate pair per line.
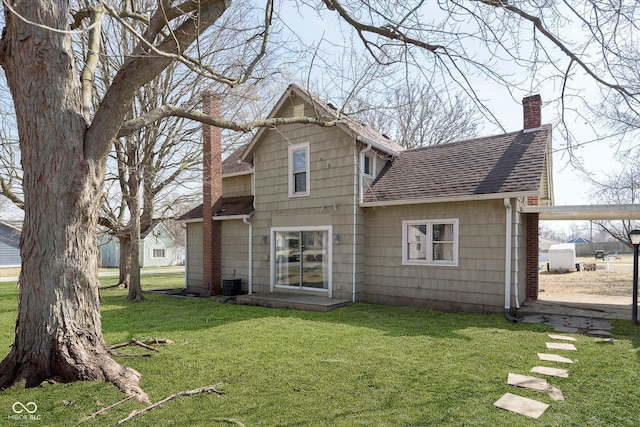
x,y
507,261
186,246
250,276
516,247
360,188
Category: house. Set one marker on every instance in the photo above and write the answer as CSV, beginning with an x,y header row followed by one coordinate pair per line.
x,y
158,248
10,244
343,212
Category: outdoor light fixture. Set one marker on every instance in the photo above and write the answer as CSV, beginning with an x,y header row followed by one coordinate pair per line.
x,y
634,237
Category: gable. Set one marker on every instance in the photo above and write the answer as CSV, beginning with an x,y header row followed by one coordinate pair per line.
x,y
512,164
296,102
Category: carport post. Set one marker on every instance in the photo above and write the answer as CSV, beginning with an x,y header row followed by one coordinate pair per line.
x,y
634,237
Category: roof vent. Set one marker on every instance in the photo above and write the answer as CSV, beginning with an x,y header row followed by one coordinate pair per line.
x,y
386,136
333,107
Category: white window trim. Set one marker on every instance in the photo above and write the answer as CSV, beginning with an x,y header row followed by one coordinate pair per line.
x,y
152,256
428,243
373,157
292,148
272,257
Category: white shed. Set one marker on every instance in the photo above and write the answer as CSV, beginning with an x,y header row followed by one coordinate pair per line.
x,y
562,257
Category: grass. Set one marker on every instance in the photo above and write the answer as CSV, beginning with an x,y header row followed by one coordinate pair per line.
x,y
363,365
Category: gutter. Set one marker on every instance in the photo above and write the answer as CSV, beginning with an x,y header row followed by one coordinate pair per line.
x,y
445,199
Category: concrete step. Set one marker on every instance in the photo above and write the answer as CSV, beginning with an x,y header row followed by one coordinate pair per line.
x,y
292,301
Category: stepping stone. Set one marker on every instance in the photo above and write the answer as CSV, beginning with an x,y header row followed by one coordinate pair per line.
x,y
535,383
561,346
521,405
525,381
555,393
554,372
561,337
554,358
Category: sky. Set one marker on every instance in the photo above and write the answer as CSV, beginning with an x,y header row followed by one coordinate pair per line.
x,y
570,184
597,155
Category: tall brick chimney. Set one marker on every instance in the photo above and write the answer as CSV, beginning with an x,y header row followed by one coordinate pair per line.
x,y
211,197
532,109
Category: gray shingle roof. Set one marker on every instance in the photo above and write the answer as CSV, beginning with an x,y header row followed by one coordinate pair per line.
x,y
363,131
233,164
231,206
500,164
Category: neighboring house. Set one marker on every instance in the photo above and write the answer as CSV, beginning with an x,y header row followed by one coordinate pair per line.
x,y
344,212
10,244
158,248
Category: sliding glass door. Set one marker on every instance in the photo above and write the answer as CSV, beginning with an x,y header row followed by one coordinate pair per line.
x,y
300,258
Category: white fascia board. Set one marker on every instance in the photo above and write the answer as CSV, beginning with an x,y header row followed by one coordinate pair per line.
x,y
229,175
471,198
377,145
190,221
229,217
586,212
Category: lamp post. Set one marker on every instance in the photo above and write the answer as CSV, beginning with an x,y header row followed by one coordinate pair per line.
x,y
634,237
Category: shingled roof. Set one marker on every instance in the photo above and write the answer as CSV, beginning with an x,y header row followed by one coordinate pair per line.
x,y
481,168
233,164
362,132
231,206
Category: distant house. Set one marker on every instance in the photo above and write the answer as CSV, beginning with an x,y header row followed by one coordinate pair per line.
x,y
345,213
158,248
10,244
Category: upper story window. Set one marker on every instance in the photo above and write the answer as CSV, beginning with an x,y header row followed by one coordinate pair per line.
x,y
368,165
299,169
430,242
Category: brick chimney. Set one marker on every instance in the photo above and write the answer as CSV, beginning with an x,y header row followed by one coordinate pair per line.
x,y
532,106
211,197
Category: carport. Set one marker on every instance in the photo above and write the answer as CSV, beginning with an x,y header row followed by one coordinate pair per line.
x,y
571,213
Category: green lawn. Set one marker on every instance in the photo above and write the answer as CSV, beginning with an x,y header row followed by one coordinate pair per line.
x,y
364,365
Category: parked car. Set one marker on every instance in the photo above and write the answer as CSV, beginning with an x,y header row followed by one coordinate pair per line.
x,y
599,254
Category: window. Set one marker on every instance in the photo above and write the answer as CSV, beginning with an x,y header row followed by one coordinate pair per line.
x,y
368,165
299,170
432,242
158,253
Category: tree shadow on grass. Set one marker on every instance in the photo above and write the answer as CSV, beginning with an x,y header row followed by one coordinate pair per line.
x,y
166,313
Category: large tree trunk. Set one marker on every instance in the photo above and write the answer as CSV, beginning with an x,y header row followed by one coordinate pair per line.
x,y
135,288
124,267
58,331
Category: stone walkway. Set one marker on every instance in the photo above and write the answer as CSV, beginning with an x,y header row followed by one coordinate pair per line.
x,y
559,343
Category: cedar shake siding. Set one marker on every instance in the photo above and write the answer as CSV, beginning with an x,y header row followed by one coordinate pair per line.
x,y
331,201
476,284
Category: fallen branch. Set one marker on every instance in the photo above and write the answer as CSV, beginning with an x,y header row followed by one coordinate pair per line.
x,y
103,410
134,342
115,353
158,341
201,390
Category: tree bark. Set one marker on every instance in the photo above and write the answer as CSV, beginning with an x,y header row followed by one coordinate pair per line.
x,y
124,267
58,332
135,288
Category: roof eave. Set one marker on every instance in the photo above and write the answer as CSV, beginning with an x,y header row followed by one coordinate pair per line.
x,y
449,199
230,175
377,145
